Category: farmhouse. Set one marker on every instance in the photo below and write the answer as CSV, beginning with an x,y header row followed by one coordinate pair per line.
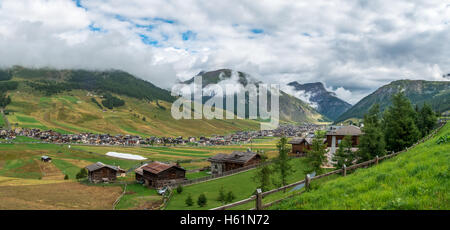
x,y
221,163
336,134
158,174
300,145
100,172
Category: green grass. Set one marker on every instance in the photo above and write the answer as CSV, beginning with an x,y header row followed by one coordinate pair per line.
x,y
2,120
66,168
242,185
21,139
195,175
417,179
137,195
26,119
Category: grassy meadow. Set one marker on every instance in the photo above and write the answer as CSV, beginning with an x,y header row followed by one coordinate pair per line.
x,y
417,179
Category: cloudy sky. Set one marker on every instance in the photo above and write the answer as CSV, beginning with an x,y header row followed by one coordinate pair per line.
x,y
353,47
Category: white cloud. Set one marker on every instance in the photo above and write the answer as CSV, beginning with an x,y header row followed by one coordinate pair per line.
x,y
353,46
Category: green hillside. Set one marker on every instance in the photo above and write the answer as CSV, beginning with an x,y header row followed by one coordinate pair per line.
x,y
71,101
436,93
416,179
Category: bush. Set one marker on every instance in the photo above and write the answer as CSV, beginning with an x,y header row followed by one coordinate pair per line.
x,y
82,174
66,177
189,201
202,200
221,197
179,189
230,197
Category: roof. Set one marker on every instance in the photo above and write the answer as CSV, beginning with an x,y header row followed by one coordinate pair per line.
x,y
234,157
46,157
158,167
350,130
99,165
308,140
139,170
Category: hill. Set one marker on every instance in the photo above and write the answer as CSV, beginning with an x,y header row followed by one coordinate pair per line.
x,y
74,101
327,102
416,179
436,93
292,109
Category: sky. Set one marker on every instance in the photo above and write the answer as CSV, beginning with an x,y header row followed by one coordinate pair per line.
x,y
352,46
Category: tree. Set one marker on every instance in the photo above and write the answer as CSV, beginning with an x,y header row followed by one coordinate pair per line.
x,y
189,201
179,189
400,130
4,100
230,197
81,174
201,201
66,177
263,174
344,154
282,162
426,119
221,197
316,157
371,143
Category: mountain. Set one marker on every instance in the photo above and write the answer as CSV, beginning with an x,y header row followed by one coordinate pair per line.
x,y
292,109
115,102
436,93
327,102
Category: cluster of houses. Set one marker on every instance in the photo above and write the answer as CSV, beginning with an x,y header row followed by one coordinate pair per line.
x,y
240,137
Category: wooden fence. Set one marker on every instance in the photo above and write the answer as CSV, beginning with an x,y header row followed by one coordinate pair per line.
x,y
307,181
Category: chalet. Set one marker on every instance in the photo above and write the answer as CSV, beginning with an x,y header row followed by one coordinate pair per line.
x,y
300,145
221,163
100,172
158,174
337,133
46,159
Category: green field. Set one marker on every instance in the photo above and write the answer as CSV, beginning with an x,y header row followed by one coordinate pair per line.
x,y
242,185
417,179
2,120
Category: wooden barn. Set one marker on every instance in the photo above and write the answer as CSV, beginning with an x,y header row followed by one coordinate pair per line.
x,y
158,174
300,146
221,163
100,172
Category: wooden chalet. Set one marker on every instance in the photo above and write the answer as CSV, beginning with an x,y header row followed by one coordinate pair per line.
x,y
221,163
300,146
158,174
336,134
100,172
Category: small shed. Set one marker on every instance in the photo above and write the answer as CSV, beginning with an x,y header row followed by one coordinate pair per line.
x,y
46,159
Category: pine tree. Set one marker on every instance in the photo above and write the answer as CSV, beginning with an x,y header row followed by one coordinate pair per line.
x,y
221,197
230,197
282,162
263,174
344,154
189,201
426,119
399,125
316,156
201,201
372,143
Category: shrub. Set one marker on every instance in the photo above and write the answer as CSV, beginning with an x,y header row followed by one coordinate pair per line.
x,y
81,174
189,201
221,195
66,177
230,197
179,189
202,200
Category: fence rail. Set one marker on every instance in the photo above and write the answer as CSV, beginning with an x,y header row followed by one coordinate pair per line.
x,y
307,181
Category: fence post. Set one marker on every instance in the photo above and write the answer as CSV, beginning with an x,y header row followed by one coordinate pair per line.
x,y
344,170
307,181
258,199
376,160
